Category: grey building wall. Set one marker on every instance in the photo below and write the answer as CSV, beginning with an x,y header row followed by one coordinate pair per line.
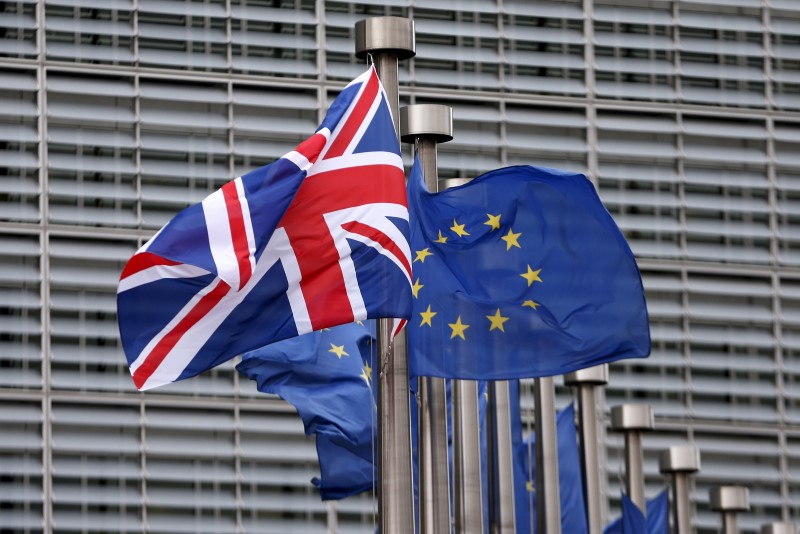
x,y
115,114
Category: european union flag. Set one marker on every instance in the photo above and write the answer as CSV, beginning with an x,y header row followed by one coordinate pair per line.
x,y
327,376
520,273
570,479
633,521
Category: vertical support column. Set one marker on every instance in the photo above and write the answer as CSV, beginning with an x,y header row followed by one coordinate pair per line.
x,y
389,39
467,486
425,125
548,499
728,500
680,461
631,419
502,514
586,381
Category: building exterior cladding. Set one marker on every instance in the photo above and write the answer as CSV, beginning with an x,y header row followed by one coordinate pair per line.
x,y
116,114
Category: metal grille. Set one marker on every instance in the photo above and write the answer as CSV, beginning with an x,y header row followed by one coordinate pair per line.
x,y
116,114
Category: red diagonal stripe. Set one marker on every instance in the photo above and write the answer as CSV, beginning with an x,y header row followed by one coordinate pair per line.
x,y
356,118
167,343
142,261
238,232
379,237
311,147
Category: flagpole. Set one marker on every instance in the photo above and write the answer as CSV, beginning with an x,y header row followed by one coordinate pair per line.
x,y
728,500
680,461
502,513
467,486
632,419
425,125
587,381
548,502
388,40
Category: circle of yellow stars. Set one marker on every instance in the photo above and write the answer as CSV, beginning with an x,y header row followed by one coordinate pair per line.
x,y
497,320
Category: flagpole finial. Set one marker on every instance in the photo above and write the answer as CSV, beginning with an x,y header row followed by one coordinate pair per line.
x,y
433,121
386,34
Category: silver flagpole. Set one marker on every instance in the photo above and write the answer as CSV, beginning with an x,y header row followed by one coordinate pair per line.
x,y
388,40
467,487
425,125
502,519
548,500
632,419
587,380
728,500
680,461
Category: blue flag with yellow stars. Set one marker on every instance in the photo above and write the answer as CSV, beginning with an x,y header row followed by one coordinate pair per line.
x,y
327,376
570,479
520,273
633,522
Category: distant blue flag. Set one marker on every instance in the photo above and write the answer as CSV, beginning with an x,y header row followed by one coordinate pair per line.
x,y
520,273
573,506
633,522
327,377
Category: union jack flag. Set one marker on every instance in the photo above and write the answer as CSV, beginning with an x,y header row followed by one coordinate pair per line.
x,y
316,239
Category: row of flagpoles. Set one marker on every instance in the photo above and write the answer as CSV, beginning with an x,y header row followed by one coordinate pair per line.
x,y
387,40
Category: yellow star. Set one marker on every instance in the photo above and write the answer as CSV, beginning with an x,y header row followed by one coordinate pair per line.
x,y
511,239
532,276
529,486
338,350
360,323
458,328
366,373
531,304
497,321
441,238
415,288
493,221
458,229
427,315
422,254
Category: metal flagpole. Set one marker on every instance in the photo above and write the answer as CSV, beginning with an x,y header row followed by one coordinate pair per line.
x,y
680,461
502,519
727,500
388,40
587,381
425,125
467,487
548,501
632,419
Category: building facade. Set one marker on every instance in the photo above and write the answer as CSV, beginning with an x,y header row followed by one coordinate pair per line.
x,y
115,114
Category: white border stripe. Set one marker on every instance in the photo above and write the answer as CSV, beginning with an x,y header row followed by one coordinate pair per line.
x,y
357,137
350,161
248,224
219,238
158,272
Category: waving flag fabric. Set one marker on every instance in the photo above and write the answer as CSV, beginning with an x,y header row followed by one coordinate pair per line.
x,y
520,273
316,239
570,479
633,522
327,376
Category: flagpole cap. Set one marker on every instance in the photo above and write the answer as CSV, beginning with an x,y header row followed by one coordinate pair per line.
x,y
779,527
597,375
632,417
729,499
679,459
385,34
432,121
